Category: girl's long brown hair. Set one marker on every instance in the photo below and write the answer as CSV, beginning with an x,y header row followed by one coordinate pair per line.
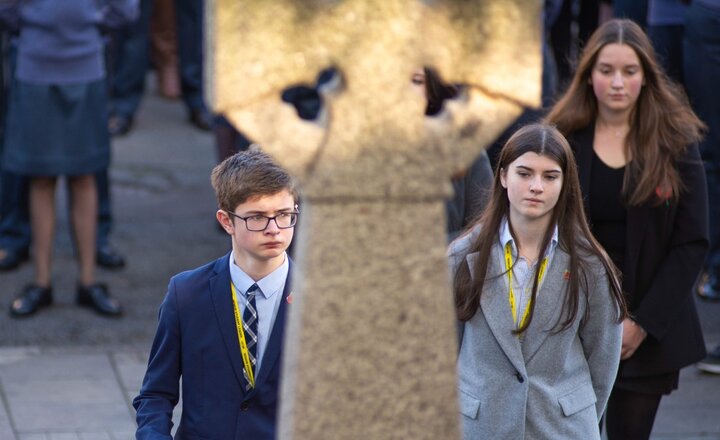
x,y
662,124
574,235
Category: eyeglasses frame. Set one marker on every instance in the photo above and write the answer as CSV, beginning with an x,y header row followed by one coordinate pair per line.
x,y
274,218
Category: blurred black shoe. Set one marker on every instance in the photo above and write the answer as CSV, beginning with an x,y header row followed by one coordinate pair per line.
x,y
201,119
709,288
30,300
11,258
97,297
711,363
119,125
109,258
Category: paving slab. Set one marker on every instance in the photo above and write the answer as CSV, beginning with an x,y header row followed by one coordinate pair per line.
x,y
6,430
36,436
130,367
55,392
693,410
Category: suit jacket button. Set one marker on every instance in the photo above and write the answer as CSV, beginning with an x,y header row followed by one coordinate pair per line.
x,y
244,406
520,377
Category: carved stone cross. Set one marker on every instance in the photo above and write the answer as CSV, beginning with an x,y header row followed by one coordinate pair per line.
x,y
370,349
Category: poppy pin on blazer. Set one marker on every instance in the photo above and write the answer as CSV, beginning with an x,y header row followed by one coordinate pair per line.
x,y
664,192
566,275
289,298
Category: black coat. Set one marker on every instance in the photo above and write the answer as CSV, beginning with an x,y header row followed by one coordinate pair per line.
x,y
664,254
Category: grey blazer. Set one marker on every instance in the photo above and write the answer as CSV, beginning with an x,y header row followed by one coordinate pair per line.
x,y
544,385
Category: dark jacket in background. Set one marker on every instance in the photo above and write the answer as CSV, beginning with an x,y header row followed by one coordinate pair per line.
x,y
470,196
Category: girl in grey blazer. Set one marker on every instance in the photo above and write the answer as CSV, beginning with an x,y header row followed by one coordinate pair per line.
x,y
538,301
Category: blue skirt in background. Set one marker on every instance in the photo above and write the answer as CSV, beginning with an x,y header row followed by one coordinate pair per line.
x,y
56,130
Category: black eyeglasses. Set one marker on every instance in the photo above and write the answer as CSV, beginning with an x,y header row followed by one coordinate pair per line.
x,y
257,222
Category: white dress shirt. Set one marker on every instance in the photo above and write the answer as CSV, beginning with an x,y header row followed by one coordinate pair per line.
x,y
267,301
523,271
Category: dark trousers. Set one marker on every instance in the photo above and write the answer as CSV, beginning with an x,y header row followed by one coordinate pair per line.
x,y
631,415
702,70
129,61
668,43
130,58
15,230
565,47
635,10
228,140
189,15
14,212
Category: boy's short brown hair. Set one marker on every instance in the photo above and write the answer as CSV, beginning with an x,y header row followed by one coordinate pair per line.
x,y
249,174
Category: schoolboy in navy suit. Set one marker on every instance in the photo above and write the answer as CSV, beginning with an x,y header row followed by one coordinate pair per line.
x,y
221,325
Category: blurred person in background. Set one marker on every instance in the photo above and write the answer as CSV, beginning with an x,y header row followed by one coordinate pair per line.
x,y
56,126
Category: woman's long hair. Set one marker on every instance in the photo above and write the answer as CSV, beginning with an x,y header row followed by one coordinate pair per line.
x,y
662,124
574,235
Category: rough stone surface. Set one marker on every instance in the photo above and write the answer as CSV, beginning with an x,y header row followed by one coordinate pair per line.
x,y
370,351
369,348
39,395
373,121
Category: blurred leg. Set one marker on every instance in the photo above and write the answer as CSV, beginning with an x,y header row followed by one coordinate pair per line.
x,y
588,17
14,189
228,140
130,60
14,215
164,50
84,219
561,40
668,43
635,10
104,217
190,37
631,415
42,213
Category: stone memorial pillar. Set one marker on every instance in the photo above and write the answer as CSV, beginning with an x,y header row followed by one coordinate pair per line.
x,y
370,346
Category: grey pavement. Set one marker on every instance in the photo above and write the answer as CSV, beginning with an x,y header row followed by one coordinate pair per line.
x,y
68,374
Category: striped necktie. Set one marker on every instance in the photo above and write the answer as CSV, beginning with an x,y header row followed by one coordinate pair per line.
x,y
250,326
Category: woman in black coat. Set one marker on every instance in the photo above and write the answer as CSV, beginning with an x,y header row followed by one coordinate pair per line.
x,y
643,181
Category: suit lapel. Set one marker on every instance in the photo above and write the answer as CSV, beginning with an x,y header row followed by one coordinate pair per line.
x,y
275,343
496,309
222,301
548,306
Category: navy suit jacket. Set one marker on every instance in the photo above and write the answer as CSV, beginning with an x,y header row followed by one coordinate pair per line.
x,y
197,341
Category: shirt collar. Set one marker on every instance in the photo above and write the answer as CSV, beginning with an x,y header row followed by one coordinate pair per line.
x,y
269,285
506,236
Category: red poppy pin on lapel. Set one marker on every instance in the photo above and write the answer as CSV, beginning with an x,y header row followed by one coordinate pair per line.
x,y
289,298
664,193
566,275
